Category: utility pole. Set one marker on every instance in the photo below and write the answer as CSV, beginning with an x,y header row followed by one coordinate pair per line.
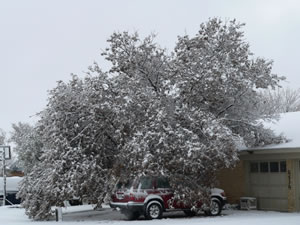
x,y
5,150
4,178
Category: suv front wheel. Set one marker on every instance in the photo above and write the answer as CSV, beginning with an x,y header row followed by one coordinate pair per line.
x,y
153,210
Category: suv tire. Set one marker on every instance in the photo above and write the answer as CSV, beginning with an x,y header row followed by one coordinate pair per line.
x,y
215,208
153,210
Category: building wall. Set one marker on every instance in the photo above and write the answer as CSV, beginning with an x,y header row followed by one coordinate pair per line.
x,y
274,191
268,188
233,182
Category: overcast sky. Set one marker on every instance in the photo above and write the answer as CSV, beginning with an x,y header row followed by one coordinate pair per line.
x,y
42,42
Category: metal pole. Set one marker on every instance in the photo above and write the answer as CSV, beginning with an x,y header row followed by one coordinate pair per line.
x,y
4,178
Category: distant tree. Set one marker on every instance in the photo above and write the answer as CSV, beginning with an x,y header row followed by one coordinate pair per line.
x,y
2,142
180,115
28,145
280,100
2,137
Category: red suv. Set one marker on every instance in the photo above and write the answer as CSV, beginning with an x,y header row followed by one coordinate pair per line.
x,y
150,196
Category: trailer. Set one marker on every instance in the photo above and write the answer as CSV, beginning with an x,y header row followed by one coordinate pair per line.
x,y
12,188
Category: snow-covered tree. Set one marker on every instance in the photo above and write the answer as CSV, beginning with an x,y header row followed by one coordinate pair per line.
x,y
77,130
2,142
28,145
180,114
2,137
217,72
204,94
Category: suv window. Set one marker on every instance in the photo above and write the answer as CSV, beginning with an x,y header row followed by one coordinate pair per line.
x,y
126,184
146,182
162,182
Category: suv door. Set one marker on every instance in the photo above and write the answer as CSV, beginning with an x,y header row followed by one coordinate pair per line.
x,y
164,190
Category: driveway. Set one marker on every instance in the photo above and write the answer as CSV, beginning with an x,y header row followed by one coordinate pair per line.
x,y
85,215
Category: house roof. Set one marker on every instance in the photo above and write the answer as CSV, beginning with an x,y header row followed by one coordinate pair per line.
x,y
288,125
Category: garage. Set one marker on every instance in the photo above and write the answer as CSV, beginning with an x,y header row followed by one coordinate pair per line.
x,y
271,174
268,183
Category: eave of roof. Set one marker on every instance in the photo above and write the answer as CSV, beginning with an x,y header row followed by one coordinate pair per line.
x,y
270,151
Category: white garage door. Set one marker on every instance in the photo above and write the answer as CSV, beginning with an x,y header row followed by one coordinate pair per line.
x,y
268,183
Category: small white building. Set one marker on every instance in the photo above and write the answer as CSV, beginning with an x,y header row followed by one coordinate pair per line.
x,y
12,187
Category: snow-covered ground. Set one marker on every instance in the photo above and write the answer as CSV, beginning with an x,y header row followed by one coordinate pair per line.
x,y
85,215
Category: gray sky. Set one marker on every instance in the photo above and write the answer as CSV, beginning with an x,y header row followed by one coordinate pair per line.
x,y
42,42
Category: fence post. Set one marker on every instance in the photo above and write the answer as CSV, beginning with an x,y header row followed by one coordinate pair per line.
x,y
58,214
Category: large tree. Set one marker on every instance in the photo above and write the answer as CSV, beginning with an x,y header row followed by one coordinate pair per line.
x,y
182,114
203,100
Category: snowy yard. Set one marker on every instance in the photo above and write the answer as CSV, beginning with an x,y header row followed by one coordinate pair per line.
x,y
80,214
